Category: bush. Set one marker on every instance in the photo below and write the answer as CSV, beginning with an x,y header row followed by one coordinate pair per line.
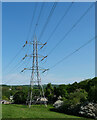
x,y
72,104
61,91
20,98
92,94
5,98
49,93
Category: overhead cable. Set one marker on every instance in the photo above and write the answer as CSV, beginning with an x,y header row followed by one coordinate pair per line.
x,y
48,19
73,26
60,21
69,55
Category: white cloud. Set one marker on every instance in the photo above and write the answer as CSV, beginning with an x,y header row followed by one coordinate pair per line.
x,y
51,78
24,79
15,79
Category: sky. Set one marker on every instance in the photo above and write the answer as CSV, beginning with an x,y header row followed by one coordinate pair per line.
x,y
16,24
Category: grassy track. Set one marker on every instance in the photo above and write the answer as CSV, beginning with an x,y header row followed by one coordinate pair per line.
x,y
36,111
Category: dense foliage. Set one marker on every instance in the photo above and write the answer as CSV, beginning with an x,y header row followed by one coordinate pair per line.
x,y
20,98
72,102
72,94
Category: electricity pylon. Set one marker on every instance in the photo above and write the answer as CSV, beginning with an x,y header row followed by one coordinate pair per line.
x,y
35,71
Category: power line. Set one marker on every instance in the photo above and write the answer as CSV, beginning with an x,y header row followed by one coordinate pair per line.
x,y
60,21
74,25
15,66
42,6
18,65
17,69
30,27
13,59
26,39
10,63
47,21
28,32
69,55
9,81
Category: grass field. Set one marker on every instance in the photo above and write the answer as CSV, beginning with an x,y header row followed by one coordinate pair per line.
x,y
36,111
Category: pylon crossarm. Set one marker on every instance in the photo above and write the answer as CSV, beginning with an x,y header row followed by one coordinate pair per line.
x,y
40,56
44,70
31,55
39,69
38,43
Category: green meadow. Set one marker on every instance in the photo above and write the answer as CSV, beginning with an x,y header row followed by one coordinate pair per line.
x,y
36,111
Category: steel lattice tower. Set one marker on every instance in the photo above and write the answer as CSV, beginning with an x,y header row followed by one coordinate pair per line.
x,y
35,75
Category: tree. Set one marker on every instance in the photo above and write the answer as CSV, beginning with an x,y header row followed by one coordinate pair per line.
x,y
6,92
72,103
5,98
20,98
49,93
79,96
61,91
92,94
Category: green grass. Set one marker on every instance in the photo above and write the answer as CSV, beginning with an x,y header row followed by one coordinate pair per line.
x,y
36,111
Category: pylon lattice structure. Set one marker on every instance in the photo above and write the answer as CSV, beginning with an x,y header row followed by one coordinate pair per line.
x,y
35,75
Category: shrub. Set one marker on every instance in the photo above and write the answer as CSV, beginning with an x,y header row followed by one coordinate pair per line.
x,y
92,94
72,103
4,98
20,98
